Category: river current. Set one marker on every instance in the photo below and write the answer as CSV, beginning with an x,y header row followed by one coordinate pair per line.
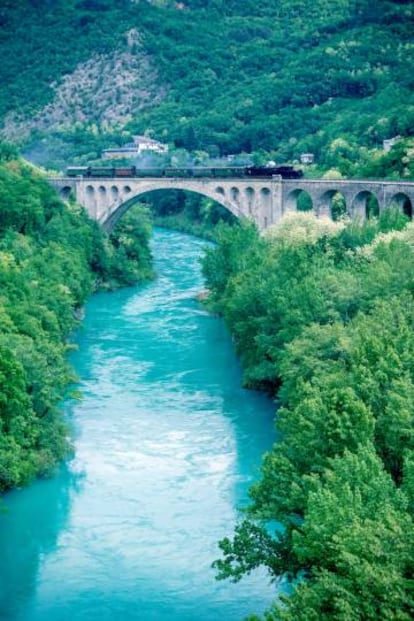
x,y
167,443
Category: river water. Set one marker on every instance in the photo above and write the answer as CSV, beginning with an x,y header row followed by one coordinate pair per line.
x,y
167,443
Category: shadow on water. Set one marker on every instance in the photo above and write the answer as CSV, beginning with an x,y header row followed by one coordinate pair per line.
x,y
31,521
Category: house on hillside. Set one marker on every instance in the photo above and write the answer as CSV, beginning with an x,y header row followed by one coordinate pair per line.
x,y
388,144
140,144
307,158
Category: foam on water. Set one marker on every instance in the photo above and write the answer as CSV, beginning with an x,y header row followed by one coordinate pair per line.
x,y
167,443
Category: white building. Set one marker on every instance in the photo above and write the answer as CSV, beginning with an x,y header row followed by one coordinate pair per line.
x,y
143,143
388,144
140,144
307,158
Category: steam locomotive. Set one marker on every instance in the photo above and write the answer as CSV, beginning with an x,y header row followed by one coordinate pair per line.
x,y
286,171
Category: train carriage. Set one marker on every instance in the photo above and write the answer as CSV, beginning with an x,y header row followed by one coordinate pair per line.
x,y
285,171
125,171
77,171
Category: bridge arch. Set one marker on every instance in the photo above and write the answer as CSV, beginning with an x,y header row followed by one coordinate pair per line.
x,y
403,202
333,204
128,197
364,205
265,207
102,197
90,200
114,192
250,199
65,192
235,195
298,200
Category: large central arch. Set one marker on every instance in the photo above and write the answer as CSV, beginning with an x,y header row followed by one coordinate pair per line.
x,y
124,200
119,207
107,200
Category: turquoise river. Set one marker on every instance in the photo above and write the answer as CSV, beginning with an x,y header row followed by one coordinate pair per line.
x,y
166,445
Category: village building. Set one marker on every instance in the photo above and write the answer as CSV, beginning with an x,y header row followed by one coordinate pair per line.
x,y
388,144
307,158
140,144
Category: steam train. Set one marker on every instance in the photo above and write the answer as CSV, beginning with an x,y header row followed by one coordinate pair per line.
x,y
286,171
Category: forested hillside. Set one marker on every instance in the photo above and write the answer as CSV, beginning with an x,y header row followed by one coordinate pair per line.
x,y
51,258
272,78
322,316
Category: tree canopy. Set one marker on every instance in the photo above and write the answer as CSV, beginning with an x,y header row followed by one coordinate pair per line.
x,y
323,319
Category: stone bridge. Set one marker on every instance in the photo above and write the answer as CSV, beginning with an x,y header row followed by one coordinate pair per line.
x,y
264,200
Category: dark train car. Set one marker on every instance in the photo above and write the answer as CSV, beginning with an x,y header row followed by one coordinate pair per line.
x,y
125,171
187,171
202,171
77,171
173,172
288,172
102,171
228,171
285,171
149,172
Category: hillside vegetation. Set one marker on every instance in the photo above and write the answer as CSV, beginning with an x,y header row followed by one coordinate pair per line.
x,y
52,256
270,78
322,316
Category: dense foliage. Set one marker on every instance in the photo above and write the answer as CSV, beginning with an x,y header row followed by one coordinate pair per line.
x,y
322,315
270,78
51,258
